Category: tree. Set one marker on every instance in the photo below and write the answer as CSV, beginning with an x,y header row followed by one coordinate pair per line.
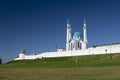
x,y
0,61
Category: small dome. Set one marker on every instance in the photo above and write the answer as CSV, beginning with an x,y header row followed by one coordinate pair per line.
x,y
77,34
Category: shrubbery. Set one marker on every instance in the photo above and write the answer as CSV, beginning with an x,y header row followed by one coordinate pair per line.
x,y
0,61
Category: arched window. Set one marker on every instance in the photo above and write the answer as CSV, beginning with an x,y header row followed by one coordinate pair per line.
x,y
71,46
78,45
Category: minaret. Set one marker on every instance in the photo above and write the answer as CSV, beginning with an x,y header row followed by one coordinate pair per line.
x,y
85,34
68,36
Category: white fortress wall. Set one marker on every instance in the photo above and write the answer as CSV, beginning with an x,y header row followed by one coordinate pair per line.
x,y
106,49
27,57
90,51
30,56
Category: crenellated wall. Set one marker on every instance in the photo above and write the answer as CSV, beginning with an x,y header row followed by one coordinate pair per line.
x,y
106,49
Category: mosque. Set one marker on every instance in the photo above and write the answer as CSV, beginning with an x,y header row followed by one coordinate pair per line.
x,y
75,41
76,45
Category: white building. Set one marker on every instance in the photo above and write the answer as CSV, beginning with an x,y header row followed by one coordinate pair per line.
x,y
76,45
75,41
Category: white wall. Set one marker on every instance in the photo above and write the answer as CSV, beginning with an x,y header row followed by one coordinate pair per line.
x,y
90,51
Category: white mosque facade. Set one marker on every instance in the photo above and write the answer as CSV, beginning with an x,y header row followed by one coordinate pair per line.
x,y
76,45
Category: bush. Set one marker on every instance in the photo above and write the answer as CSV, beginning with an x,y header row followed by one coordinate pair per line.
x,y
0,61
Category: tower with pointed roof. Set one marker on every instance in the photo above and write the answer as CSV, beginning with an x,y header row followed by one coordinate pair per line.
x,y
85,34
68,35
22,54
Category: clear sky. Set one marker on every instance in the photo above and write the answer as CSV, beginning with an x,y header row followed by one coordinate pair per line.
x,y
39,25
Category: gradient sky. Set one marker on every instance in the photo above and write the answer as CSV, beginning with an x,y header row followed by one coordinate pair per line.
x,y
39,25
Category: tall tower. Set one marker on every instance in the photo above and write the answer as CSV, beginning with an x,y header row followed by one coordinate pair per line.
x,y
68,36
85,34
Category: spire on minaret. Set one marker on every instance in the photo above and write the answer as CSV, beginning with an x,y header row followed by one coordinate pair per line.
x,y
84,23
68,22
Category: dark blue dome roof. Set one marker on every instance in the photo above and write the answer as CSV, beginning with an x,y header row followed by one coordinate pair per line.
x,y
77,34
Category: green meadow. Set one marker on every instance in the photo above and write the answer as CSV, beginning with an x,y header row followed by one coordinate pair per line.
x,y
93,67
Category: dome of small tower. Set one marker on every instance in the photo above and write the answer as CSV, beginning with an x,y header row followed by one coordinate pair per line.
x,y
23,51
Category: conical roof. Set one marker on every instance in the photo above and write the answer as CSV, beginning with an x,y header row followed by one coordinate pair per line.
x,y
22,51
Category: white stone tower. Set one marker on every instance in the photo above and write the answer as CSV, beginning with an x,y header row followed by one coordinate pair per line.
x,y
22,54
68,38
85,35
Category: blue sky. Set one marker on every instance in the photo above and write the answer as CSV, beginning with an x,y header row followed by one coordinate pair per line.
x,y
39,25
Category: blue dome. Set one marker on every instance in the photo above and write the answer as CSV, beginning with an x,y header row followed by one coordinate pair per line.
x,y
77,34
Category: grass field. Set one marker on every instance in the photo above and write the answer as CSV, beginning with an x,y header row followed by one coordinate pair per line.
x,y
96,67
